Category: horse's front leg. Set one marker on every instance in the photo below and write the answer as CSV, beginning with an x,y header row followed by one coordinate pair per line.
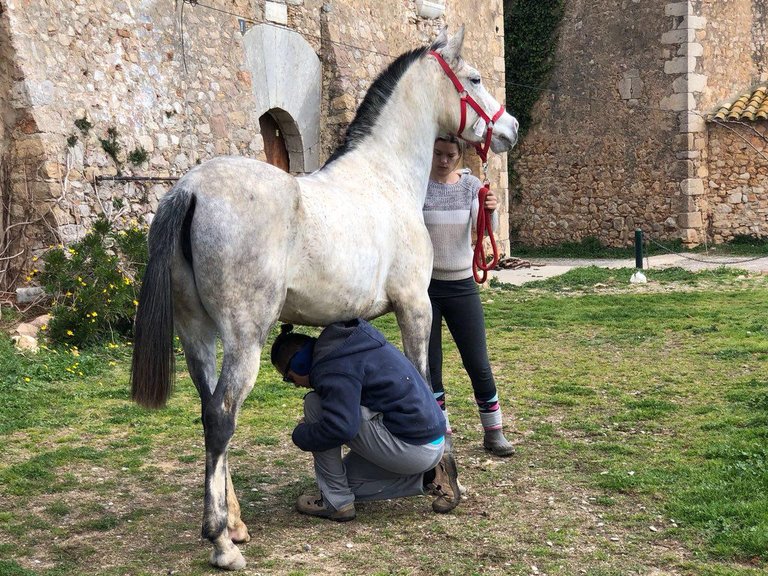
x,y
414,317
221,515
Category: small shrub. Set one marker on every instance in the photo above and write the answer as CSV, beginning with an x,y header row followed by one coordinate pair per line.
x,y
138,156
93,285
110,144
83,125
72,140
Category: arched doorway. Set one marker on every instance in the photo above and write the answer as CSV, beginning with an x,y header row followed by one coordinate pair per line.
x,y
286,81
274,142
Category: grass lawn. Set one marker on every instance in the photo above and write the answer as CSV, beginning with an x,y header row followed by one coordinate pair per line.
x,y
640,414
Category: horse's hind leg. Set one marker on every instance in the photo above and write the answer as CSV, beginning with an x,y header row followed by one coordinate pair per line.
x,y
197,333
238,373
200,352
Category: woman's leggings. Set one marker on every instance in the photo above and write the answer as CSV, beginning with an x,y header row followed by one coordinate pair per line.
x,y
466,322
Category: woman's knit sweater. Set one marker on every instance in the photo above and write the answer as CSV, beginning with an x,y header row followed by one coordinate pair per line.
x,y
450,213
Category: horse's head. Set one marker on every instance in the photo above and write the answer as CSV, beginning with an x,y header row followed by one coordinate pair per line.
x,y
471,112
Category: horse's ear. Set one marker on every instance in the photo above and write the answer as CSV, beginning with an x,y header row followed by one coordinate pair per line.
x,y
452,52
441,40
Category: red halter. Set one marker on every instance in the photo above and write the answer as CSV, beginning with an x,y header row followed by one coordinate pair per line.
x,y
482,149
480,267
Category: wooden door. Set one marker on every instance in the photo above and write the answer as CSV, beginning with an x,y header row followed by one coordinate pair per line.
x,y
274,143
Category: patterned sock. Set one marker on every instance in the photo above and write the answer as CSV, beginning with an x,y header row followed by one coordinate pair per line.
x,y
490,413
440,398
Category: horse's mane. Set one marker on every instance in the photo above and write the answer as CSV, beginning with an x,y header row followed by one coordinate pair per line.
x,y
376,98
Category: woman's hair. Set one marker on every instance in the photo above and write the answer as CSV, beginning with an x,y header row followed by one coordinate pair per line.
x,y
451,139
285,346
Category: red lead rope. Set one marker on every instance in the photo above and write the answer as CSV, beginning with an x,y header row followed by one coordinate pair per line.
x,y
484,226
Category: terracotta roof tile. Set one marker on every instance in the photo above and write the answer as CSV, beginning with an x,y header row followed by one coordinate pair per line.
x,y
750,106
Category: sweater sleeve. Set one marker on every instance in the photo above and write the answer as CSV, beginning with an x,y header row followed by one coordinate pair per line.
x,y
475,208
340,418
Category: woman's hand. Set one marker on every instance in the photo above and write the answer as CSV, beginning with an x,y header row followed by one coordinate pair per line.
x,y
491,202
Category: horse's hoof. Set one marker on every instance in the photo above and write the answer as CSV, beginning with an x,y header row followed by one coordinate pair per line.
x,y
239,534
230,559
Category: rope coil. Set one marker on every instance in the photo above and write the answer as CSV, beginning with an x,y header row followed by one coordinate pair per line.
x,y
484,227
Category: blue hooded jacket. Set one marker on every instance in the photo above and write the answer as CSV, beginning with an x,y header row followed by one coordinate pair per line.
x,y
353,365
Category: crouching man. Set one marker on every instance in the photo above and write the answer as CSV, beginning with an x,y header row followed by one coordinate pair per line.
x,y
367,395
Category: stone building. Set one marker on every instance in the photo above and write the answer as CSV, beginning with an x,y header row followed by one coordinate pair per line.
x,y
625,135
103,104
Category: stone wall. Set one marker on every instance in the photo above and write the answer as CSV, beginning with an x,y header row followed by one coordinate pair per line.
x,y
600,159
734,164
6,68
621,139
172,78
733,56
738,181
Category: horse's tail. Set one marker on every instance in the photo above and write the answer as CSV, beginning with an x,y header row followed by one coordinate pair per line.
x,y
153,365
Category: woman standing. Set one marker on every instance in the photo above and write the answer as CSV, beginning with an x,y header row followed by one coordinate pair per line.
x,y
450,214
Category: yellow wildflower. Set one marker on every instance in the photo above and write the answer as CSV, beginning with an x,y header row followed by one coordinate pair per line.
x,y
70,333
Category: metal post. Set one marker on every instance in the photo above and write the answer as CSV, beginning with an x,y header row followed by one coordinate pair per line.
x,y
638,277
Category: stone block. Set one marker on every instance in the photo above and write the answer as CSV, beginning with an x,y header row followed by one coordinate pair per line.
x,y
680,85
343,102
29,148
691,22
678,9
693,49
697,82
52,170
27,295
25,343
735,198
680,65
684,141
692,187
678,36
41,320
692,122
689,220
277,13
690,237
26,329
678,102
685,169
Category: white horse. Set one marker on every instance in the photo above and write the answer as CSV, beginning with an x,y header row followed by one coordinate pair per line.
x,y
238,244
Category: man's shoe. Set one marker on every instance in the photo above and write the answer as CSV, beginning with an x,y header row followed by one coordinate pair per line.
x,y
314,505
495,443
445,485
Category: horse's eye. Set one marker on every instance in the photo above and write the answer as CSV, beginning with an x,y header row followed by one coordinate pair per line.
x,y
475,80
